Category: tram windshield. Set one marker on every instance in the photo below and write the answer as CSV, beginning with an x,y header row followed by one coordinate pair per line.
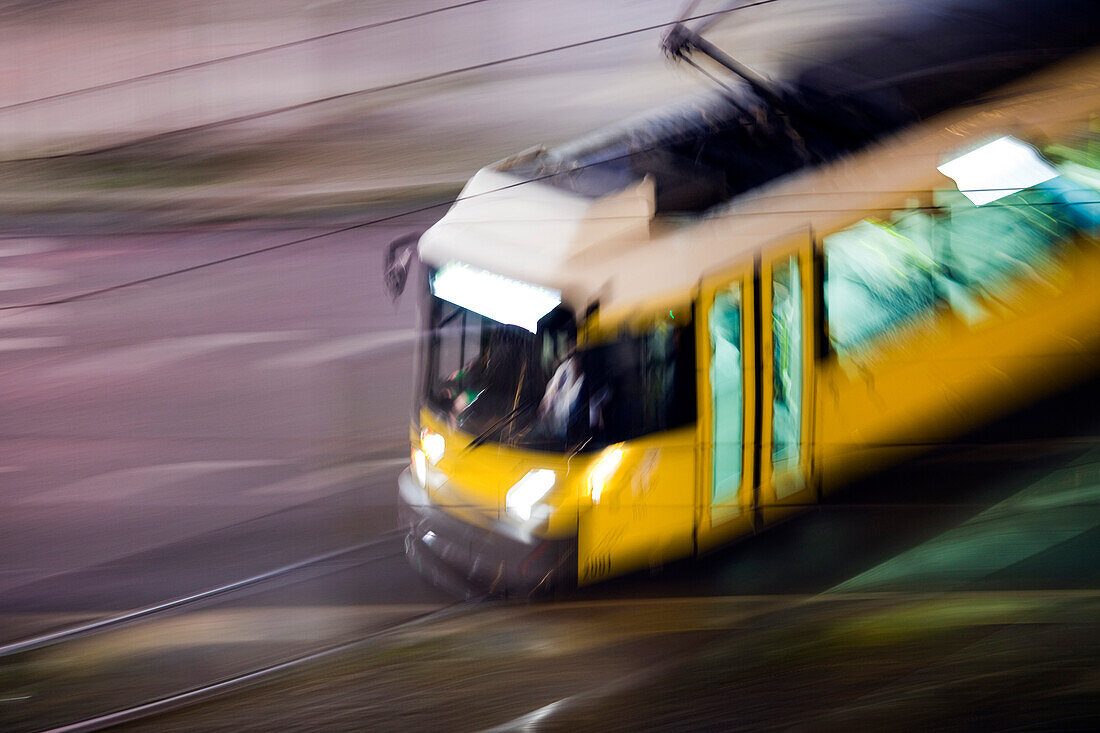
x,y
505,384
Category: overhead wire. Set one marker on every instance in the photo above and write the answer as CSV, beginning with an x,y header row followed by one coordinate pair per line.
x,y
294,242
352,227
358,225
232,57
251,116
387,218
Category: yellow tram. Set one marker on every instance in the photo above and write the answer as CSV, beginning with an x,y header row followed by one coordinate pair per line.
x,y
603,388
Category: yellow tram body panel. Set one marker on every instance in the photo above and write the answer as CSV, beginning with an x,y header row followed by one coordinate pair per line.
x,y
949,377
644,513
472,483
634,510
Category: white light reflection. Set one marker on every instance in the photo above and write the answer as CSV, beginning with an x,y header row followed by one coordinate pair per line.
x,y
601,472
432,444
998,169
420,467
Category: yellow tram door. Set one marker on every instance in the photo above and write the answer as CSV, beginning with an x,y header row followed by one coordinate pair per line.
x,y
642,508
787,381
637,504
726,356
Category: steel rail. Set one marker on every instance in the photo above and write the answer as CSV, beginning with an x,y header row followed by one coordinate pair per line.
x,y
237,682
111,622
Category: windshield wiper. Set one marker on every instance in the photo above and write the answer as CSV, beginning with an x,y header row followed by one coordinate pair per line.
x,y
500,423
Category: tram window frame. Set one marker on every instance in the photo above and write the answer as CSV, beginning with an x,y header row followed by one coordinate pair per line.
x,y
727,467
438,323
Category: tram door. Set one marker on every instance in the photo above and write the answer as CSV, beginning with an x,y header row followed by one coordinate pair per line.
x,y
726,357
755,358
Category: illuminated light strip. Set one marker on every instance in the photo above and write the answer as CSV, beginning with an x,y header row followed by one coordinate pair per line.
x,y
493,296
997,169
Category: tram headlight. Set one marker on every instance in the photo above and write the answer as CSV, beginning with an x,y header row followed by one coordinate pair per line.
x,y
602,471
525,493
419,466
432,445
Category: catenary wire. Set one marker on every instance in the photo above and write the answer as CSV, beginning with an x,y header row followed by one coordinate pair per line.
x,y
358,225
329,233
336,231
251,116
232,57
282,245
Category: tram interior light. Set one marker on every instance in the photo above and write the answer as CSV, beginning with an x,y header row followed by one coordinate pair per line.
x,y
602,472
526,492
500,298
997,169
432,444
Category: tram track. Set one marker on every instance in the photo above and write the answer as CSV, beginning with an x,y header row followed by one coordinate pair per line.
x,y
238,682
112,622
187,649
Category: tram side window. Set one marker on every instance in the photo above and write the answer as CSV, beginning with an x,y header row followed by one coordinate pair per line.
x,y
459,334
879,278
1013,230
641,384
1077,159
989,246
1009,216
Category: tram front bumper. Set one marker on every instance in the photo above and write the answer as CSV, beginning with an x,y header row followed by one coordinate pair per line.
x,y
473,561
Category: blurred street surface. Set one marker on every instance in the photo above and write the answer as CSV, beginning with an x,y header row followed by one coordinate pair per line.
x,y
962,599
904,663
269,396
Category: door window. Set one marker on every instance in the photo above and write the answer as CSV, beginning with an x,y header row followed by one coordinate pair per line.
x,y
727,393
787,365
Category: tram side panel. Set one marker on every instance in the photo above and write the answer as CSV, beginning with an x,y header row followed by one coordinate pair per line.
x,y
935,319
942,318
635,502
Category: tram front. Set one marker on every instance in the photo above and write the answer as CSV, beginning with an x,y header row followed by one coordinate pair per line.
x,y
498,408
525,415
